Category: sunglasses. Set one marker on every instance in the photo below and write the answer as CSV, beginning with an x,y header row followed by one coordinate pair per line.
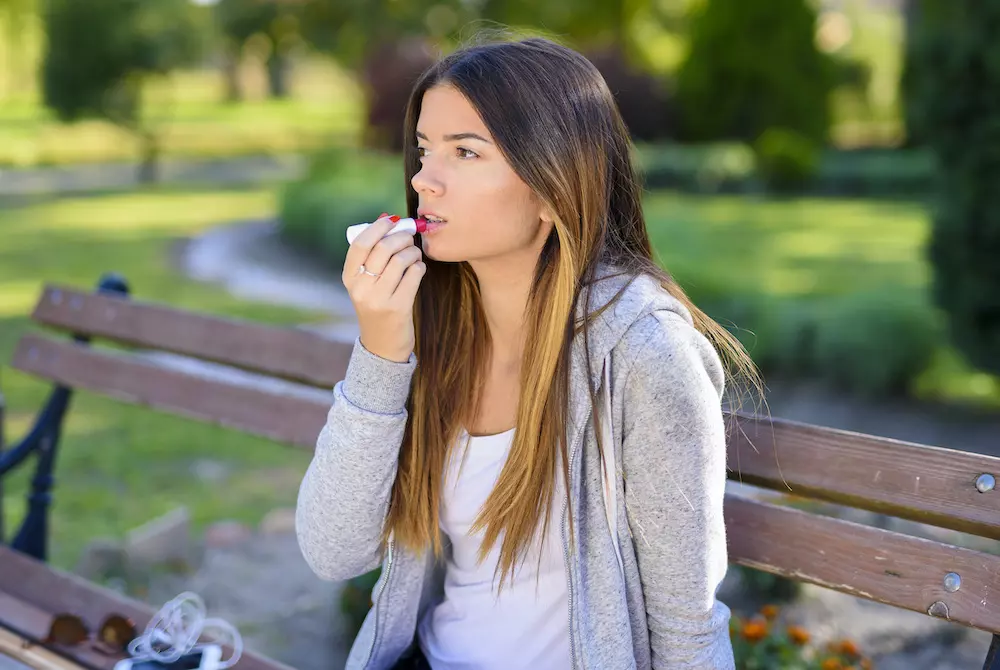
x,y
114,634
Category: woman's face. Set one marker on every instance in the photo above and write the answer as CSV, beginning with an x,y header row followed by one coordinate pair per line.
x,y
488,211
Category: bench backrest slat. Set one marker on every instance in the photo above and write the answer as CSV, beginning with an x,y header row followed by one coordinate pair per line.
x,y
284,352
880,565
291,418
54,592
927,484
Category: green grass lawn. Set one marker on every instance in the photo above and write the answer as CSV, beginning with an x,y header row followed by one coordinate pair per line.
x,y
189,111
789,247
121,465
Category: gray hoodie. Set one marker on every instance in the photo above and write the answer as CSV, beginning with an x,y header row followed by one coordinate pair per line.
x,y
647,558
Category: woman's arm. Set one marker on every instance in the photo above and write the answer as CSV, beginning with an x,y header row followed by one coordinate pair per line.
x,y
345,493
674,461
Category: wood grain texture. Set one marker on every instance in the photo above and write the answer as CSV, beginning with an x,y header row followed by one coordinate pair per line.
x,y
872,563
276,414
284,352
922,483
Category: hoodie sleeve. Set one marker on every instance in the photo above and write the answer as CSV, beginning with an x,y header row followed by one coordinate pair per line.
x,y
345,492
674,462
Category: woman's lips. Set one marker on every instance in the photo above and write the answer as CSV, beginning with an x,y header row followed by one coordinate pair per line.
x,y
433,225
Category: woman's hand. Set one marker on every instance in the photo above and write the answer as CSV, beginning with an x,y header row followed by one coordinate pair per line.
x,y
384,304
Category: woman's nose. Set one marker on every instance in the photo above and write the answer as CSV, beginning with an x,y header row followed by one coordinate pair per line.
x,y
424,181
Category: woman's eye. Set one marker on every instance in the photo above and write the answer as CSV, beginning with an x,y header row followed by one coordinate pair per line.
x,y
467,153
421,152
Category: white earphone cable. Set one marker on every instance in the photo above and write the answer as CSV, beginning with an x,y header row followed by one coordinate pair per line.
x,y
175,630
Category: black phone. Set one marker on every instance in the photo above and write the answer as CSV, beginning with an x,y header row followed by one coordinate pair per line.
x,y
204,657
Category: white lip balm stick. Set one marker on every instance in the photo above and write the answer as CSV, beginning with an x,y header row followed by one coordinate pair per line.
x,y
402,226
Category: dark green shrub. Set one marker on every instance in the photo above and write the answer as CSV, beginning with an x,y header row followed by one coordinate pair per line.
x,y
876,343
953,75
704,168
754,66
341,189
786,160
875,173
99,53
644,101
733,168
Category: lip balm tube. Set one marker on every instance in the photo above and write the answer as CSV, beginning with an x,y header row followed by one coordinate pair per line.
x,y
402,226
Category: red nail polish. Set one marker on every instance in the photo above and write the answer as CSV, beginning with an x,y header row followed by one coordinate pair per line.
x,y
394,218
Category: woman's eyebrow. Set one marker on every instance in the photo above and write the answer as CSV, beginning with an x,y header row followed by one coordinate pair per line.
x,y
457,136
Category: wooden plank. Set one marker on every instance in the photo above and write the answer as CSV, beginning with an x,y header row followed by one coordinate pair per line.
x,y
21,626
292,418
29,656
866,562
54,591
288,353
922,483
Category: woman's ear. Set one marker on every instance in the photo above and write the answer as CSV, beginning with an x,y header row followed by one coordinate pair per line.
x,y
546,215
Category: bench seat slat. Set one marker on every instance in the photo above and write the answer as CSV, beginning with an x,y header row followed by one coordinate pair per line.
x,y
921,483
872,563
293,419
53,591
289,353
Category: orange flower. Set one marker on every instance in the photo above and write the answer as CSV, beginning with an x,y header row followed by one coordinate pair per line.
x,y
848,648
832,664
798,635
770,612
755,630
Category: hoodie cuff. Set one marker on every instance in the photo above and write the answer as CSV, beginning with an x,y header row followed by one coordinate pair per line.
x,y
376,384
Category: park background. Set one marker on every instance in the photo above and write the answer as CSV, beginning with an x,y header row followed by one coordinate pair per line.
x,y
818,179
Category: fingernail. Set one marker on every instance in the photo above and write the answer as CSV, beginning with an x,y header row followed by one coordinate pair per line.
x,y
383,214
394,218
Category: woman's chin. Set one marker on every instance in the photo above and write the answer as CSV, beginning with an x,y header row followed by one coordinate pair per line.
x,y
434,251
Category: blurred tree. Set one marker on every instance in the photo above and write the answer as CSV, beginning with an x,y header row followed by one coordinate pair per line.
x,y
277,20
99,53
587,23
753,66
14,17
950,87
389,43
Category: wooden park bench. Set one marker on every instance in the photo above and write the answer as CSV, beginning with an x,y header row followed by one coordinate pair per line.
x,y
276,383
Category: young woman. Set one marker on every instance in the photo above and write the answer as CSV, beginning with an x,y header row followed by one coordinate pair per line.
x,y
541,482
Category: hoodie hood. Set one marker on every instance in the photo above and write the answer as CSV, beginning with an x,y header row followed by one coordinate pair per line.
x,y
640,295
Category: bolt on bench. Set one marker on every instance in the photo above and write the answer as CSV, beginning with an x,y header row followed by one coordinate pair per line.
x,y
275,381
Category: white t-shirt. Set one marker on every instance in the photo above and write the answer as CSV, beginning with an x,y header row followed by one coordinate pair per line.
x,y
471,629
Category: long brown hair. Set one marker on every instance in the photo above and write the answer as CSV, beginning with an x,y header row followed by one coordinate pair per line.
x,y
554,119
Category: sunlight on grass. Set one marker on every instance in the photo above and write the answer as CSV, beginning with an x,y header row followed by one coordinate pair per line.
x,y
189,111
18,297
788,247
134,215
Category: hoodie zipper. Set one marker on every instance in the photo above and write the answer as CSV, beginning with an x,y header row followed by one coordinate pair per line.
x,y
569,568
378,596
